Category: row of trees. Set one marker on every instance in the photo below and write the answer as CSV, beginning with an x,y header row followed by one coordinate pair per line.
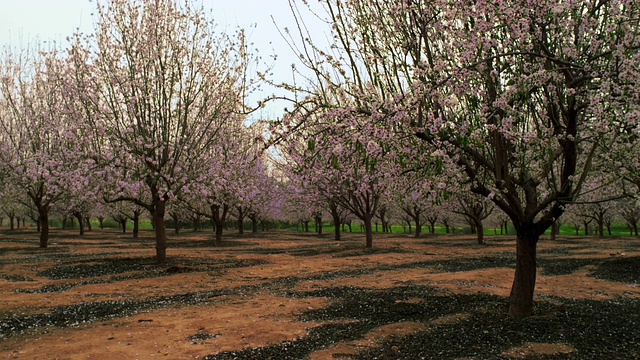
x,y
531,105
147,110
403,210
526,108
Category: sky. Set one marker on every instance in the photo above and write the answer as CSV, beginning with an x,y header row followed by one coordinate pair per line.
x,y
27,22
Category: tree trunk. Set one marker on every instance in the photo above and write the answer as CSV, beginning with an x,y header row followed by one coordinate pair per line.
x,y
554,231
336,223
479,231
240,226
524,282
318,220
161,232
44,227
136,225
176,223
218,230
418,226
218,219
600,229
80,222
368,232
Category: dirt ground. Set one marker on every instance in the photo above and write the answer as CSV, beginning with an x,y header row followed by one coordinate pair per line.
x,y
101,296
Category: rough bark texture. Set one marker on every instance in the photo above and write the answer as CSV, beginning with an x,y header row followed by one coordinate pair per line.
x,y
418,226
218,217
80,222
218,231
524,282
161,232
479,231
554,230
318,220
44,227
241,226
136,226
335,215
368,232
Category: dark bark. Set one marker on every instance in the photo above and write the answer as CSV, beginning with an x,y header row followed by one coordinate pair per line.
x,y
218,218
586,227
44,227
160,230
524,282
600,229
554,230
78,215
335,215
368,232
136,224
432,223
254,223
195,220
318,221
176,221
242,213
445,222
479,232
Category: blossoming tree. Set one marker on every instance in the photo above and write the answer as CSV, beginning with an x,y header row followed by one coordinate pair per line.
x,y
520,95
157,82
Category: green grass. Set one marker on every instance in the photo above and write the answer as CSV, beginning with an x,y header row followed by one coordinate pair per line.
x,y
616,229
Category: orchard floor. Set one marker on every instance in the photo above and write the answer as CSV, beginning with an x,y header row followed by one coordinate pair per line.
x,y
289,295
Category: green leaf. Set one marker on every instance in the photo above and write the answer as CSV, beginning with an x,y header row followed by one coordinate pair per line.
x,y
311,144
334,161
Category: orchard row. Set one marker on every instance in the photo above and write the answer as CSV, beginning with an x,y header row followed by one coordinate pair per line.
x,y
418,108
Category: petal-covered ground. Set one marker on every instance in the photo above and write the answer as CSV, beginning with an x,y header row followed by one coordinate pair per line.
x,y
289,295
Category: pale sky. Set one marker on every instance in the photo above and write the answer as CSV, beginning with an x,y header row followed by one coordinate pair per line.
x,y
27,22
